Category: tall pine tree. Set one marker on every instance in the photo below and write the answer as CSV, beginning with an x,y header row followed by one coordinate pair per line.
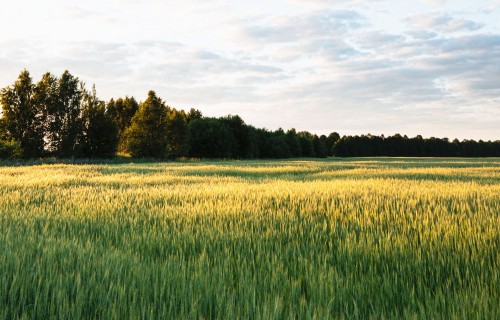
x,y
147,134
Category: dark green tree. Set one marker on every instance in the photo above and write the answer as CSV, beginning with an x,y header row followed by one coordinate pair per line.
x,y
99,137
122,111
330,142
22,119
418,146
241,148
306,143
46,99
4,133
193,114
343,147
278,144
210,138
147,134
293,143
8,148
177,134
320,149
252,149
61,101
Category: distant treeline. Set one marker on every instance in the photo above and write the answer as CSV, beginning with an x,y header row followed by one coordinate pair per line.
x,y
59,117
402,146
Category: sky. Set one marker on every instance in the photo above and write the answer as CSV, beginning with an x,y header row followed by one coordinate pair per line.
x,y
429,67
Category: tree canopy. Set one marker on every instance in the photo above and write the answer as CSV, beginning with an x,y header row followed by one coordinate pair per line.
x,y
59,117
21,117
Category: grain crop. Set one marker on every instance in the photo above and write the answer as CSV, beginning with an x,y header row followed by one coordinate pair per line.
x,y
302,239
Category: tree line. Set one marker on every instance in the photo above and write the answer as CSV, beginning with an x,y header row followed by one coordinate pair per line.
x,y
402,146
59,117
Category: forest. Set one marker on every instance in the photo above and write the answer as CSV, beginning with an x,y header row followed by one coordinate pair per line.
x,y
59,117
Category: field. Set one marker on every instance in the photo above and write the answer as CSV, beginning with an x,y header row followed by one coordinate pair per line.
x,y
358,238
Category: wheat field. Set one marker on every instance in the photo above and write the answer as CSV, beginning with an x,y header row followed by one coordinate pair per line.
x,y
302,239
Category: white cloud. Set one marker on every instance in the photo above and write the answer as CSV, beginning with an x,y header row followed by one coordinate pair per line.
x,y
428,67
446,23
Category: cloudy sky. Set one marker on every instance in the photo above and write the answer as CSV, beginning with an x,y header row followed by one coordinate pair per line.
x,y
429,67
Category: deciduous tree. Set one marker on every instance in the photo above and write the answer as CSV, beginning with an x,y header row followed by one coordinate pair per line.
x,y
99,137
22,119
177,134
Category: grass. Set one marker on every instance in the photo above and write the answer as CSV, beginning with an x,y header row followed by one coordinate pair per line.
x,y
338,238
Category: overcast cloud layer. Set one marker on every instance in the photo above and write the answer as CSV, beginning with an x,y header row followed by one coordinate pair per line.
x,y
429,67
